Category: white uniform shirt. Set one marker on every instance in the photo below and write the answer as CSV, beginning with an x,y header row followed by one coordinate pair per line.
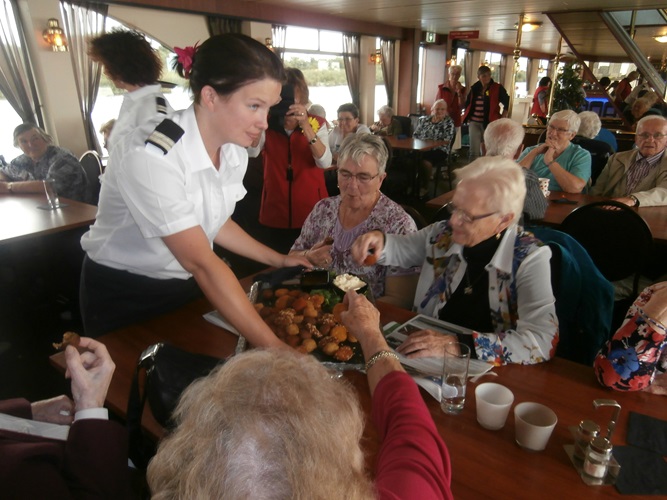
x,y
147,195
138,107
336,137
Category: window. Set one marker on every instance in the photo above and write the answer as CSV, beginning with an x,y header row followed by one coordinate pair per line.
x,y
110,99
10,120
521,83
319,54
492,60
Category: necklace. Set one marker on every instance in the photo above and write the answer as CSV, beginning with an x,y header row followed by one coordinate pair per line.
x,y
469,289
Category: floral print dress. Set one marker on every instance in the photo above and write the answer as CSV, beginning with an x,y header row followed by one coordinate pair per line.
x,y
636,352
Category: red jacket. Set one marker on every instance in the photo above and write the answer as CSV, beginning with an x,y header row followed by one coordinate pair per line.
x,y
536,110
453,103
495,94
286,203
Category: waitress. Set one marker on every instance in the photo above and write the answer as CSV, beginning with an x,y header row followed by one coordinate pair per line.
x,y
170,189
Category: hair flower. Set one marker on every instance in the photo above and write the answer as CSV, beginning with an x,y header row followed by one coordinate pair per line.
x,y
313,123
186,57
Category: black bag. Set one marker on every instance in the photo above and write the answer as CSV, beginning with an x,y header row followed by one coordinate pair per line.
x,y
169,371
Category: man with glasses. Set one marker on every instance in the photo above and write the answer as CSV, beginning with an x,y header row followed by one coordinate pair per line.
x,y
639,177
566,165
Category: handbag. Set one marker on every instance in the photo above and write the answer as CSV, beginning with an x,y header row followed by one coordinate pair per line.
x,y
168,372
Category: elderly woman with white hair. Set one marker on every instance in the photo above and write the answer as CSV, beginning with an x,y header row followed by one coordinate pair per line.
x,y
335,222
479,270
565,164
387,124
438,126
586,138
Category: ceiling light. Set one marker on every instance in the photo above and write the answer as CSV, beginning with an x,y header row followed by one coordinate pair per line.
x,y
530,26
660,38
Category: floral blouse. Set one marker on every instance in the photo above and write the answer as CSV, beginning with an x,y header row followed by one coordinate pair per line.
x,y
441,131
323,222
522,305
630,360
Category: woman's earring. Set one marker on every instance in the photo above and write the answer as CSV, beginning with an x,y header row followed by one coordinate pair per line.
x,y
497,236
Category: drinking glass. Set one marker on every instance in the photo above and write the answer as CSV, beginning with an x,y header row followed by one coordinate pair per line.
x,y
454,377
51,193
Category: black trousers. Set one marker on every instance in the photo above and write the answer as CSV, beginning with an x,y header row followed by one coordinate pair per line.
x,y
112,298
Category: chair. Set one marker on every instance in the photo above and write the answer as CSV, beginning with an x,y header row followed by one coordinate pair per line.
x,y
92,166
441,214
619,241
584,298
406,125
419,219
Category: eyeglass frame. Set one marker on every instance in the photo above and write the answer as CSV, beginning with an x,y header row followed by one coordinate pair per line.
x,y
347,176
465,217
559,130
645,136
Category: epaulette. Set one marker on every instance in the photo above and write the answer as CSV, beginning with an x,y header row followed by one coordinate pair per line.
x,y
165,135
161,105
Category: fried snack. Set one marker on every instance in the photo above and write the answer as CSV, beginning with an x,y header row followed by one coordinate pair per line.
x,y
344,353
370,259
69,338
328,240
339,332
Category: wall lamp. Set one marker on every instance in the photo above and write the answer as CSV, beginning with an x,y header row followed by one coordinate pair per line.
x,y
55,37
269,43
376,57
528,26
660,38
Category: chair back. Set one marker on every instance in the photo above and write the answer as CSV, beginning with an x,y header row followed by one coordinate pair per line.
x,y
92,166
419,219
406,125
617,238
441,214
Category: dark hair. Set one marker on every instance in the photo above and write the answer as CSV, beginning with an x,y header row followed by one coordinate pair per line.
x,y
298,81
127,56
230,61
349,107
483,69
544,81
605,81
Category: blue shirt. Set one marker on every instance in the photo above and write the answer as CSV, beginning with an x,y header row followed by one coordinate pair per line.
x,y
574,159
608,137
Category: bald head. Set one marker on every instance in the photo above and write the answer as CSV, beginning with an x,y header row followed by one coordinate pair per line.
x,y
503,137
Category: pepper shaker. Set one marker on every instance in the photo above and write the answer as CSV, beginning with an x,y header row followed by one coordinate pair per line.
x,y
586,432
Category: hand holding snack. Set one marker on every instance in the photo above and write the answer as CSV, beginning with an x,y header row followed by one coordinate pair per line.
x,y
90,372
367,248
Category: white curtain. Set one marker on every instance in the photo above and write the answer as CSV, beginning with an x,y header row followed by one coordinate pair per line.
x,y
279,34
83,21
17,81
388,49
352,62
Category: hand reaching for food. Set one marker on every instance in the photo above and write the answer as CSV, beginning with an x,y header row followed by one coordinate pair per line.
x,y
367,248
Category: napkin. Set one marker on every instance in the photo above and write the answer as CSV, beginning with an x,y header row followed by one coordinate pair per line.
x,y
276,277
642,472
648,433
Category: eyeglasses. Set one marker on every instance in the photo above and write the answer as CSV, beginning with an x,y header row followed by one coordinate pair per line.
x,y
558,130
363,177
645,136
465,216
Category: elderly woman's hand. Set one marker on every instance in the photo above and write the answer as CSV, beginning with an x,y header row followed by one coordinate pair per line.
x,y
320,254
425,343
90,371
367,248
362,319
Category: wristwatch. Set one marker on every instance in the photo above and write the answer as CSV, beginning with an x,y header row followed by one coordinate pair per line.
x,y
313,140
635,199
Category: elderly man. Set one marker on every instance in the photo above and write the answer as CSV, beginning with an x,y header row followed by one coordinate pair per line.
x,y
487,102
504,137
639,177
566,165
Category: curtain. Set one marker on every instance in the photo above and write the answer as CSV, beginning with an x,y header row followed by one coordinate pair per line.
x,y
387,49
530,84
219,25
352,60
502,69
82,21
279,35
17,81
471,77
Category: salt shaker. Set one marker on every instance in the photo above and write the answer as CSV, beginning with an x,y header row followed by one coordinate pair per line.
x,y
586,431
597,457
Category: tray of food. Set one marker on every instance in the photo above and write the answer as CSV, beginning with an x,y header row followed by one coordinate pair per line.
x,y
305,314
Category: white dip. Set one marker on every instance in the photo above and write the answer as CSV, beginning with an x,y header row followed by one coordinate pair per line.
x,y
348,282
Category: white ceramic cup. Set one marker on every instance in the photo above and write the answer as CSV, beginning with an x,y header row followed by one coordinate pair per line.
x,y
544,185
533,424
493,405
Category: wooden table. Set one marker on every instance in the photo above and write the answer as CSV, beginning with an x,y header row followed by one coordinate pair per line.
x,y
507,470
416,146
22,219
655,217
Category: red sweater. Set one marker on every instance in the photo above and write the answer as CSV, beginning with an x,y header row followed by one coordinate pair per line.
x,y
536,110
286,203
413,461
